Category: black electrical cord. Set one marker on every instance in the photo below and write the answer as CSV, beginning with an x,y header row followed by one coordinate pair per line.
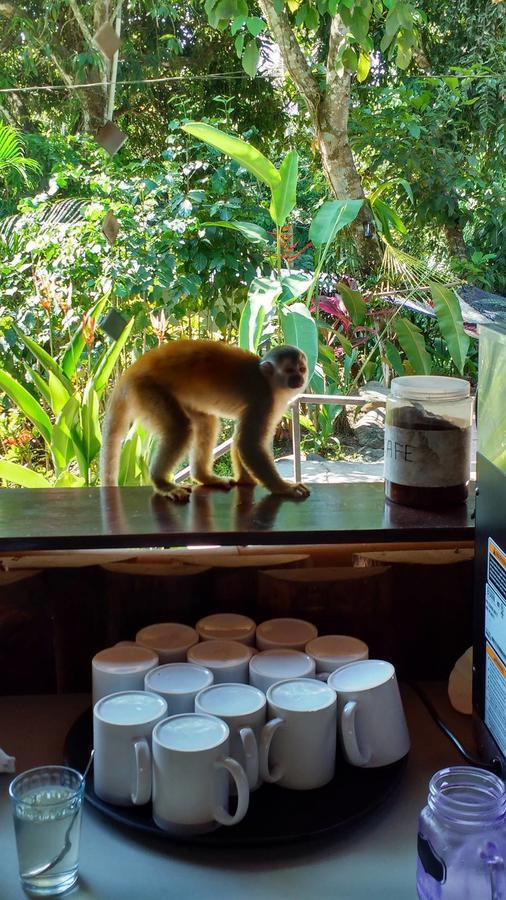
x,y
495,764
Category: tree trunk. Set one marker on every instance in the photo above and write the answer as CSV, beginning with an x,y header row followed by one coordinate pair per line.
x,y
93,100
344,180
329,111
455,240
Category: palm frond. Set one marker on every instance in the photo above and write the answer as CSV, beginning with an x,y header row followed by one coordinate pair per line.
x,y
12,154
64,213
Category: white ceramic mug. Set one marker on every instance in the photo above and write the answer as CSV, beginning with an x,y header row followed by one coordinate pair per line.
x,y
371,720
269,666
120,668
122,727
227,660
298,745
242,707
178,684
285,633
331,651
170,640
191,767
227,627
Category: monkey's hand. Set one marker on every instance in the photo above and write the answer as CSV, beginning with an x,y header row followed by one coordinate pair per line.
x,y
296,491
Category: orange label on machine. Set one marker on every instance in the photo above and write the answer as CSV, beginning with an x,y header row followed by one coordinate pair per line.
x,y
498,553
495,636
495,659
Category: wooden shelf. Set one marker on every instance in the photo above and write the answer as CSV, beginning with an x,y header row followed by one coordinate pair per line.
x,y
100,518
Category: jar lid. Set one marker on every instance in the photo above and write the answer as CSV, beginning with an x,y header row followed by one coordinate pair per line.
x,y
430,387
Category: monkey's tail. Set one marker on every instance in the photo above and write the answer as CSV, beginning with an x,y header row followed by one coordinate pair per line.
x,y
116,423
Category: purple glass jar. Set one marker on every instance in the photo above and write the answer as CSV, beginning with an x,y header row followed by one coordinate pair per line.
x,y
462,837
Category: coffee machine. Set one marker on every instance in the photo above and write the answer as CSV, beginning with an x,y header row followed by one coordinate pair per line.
x,y
489,655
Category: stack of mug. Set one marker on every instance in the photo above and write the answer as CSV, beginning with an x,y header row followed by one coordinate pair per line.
x,y
184,717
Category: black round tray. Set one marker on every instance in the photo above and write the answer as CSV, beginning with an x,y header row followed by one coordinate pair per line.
x,y
275,814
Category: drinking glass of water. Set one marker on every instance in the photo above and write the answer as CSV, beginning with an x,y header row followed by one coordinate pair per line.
x,y
46,805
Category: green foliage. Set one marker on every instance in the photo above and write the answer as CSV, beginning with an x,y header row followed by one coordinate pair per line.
x,y
158,39
445,138
413,344
333,216
299,329
284,194
396,20
354,303
164,259
449,317
12,157
70,427
243,153
16,474
205,250
270,297
262,295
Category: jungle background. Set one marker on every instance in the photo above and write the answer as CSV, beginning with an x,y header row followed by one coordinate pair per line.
x,y
376,183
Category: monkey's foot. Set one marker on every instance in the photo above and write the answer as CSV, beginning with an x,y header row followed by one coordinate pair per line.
x,y
296,491
174,492
224,484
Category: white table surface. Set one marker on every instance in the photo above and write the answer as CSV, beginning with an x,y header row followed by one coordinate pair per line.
x,y
376,860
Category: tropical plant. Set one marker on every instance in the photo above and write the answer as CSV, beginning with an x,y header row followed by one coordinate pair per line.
x,y
324,46
382,330
13,160
63,403
164,260
277,294
445,136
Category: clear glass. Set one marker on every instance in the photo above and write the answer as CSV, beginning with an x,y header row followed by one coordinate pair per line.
x,y
427,450
462,837
46,805
492,391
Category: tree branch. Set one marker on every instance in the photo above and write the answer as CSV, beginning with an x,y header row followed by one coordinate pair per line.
x,y
6,114
82,24
293,57
336,40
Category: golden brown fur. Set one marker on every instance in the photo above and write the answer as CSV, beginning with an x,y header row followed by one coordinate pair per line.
x,y
180,390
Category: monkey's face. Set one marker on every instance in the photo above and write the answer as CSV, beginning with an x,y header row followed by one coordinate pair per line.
x,y
295,373
287,371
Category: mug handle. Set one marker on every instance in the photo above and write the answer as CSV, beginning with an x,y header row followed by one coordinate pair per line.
x,y
142,790
241,783
250,747
268,732
349,735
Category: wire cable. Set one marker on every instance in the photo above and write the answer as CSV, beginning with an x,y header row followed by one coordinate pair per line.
x,y
237,74
95,84
494,765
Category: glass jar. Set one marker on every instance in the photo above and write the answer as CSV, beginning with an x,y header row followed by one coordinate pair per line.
x,y
462,837
428,441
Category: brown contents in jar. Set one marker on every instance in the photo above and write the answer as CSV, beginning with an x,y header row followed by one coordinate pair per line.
x,y
416,418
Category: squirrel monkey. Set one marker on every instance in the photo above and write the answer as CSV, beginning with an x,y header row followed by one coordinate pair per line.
x,y
180,390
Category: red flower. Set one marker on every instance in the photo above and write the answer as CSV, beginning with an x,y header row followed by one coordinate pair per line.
x,y
88,326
